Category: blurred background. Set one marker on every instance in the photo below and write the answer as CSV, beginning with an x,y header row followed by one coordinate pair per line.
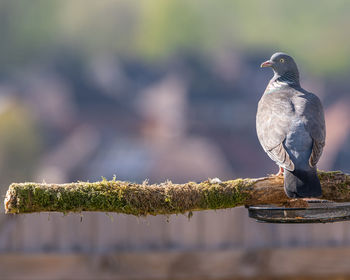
x,y
161,90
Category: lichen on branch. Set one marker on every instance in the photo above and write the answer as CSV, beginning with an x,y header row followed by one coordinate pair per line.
x,y
166,198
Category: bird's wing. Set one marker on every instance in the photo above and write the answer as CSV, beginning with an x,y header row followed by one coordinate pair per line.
x,y
315,126
317,149
272,123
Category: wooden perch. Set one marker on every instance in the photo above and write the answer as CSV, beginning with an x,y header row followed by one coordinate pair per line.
x,y
165,198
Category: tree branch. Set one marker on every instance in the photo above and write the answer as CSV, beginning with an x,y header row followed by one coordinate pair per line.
x,y
165,198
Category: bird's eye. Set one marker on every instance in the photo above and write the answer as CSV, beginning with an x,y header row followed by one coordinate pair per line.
x,y
282,60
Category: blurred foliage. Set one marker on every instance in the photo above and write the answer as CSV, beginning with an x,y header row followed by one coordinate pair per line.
x,y
27,30
315,31
19,141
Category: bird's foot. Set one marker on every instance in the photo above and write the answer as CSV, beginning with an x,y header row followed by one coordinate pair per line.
x,y
280,171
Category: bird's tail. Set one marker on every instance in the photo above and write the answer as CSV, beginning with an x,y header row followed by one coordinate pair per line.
x,y
302,183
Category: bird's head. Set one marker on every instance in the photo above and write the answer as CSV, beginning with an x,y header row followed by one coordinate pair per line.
x,y
282,64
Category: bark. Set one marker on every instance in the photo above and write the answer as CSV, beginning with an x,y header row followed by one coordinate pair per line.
x,y
166,198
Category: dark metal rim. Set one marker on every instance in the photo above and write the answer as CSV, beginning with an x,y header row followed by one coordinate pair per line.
x,y
294,221
318,212
279,208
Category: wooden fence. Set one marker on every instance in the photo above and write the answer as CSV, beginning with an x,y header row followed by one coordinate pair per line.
x,y
223,244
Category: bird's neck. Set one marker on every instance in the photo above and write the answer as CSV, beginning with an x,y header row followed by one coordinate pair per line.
x,y
288,78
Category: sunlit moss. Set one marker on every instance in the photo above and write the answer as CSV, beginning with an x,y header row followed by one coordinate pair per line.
x,y
144,199
124,197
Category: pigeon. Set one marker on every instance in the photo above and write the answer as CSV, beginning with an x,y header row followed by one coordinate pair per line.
x,y
291,128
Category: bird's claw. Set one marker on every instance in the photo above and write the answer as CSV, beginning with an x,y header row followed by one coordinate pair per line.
x,y
280,171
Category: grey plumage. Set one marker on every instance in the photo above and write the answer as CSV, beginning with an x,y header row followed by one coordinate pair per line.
x,y
291,128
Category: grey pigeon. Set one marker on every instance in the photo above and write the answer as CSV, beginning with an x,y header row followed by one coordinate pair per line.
x,y
291,128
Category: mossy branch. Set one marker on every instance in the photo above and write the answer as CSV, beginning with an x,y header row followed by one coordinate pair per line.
x,y
165,198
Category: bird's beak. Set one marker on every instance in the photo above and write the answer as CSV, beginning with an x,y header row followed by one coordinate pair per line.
x,y
267,63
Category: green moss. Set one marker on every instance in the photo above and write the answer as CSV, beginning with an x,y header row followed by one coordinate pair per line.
x,y
79,197
144,199
224,195
322,175
128,198
340,181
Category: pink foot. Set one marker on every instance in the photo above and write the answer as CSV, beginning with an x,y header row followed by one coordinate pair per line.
x,y
280,171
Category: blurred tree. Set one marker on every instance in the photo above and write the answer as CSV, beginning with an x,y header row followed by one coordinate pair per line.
x,y
19,142
27,29
314,31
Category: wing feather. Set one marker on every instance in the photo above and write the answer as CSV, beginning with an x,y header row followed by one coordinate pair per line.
x,y
272,123
316,127
281,157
